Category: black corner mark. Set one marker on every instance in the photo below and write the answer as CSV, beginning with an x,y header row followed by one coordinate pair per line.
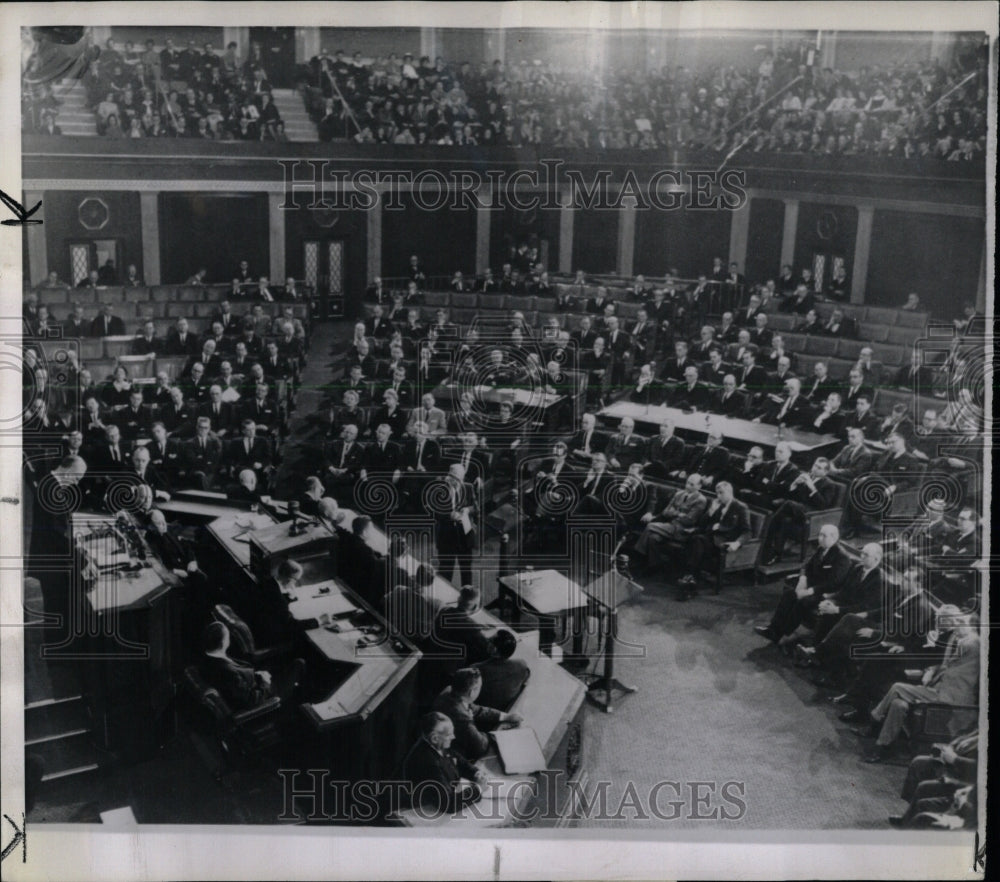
x,y
19,210
979,855
20,836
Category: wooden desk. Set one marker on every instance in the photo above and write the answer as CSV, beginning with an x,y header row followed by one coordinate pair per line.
x,y
700,423
228,525
361,728
519,397
117,589
549,595
131,627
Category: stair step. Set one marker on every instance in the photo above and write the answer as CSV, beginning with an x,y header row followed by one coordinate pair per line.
x,y
65,773
62,757
55,736
48,702
57,720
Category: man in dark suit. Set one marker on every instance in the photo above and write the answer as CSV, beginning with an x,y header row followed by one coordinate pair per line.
x,y
625,447
596,305
594,485
134,419
434,771
791,410
751,378
219,412
647,391
691,394
714,370
916,376
861,590
383,458
587,441
856,388
643,336
344,462
238,683
203,455
823,574
584,335
724,526
710,460
665,453
673,369
75,325
472,457
377,327
897,468
249,452
165,454
260,409
225,317
863,417
821,385
760,334
107,324
729,401
108,458
455,530
775,480
180,341
472,721
808,491
147,341
853,460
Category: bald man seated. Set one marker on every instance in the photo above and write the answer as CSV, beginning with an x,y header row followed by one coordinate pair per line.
x,y
440,777
473,722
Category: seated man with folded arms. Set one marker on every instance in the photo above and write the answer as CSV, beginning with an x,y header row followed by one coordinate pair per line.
x,y
238,683
441,779
472,721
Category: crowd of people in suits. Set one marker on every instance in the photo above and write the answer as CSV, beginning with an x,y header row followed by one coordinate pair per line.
x,y
408,412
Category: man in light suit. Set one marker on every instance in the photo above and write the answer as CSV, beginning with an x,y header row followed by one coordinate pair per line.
x,y
677,519
430,413
955,681
455,529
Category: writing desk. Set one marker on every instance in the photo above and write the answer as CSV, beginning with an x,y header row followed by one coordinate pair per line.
x,y
701,422
131,627
229,526
549,595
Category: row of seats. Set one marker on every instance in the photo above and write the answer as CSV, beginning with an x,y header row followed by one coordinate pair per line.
x,y
154,293
875,323
841,353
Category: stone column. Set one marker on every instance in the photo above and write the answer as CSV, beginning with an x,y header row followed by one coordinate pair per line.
x,y
739,235
788,231
373,219
38,254
483,216
626,239
149,222
276,237
566,231
862,249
